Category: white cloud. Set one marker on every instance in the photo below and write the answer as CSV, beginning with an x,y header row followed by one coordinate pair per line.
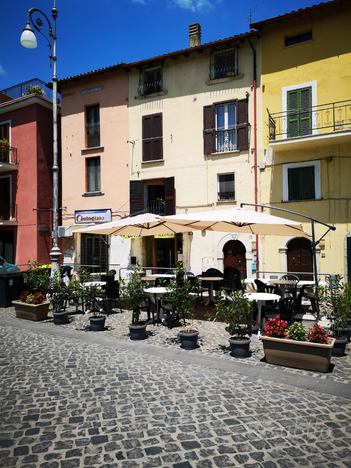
x,y
2,71
194,5
142,2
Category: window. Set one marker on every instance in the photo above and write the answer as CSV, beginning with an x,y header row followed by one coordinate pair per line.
x,y
150,81
93,126
226,127
5,198
93,174
152,137
4,135
224,64
301,181
289,41
226,187
150,194
299,112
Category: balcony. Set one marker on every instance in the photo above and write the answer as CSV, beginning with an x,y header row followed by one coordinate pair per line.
x,y
156,207
34,86
310,127
8,213
8,160
150,81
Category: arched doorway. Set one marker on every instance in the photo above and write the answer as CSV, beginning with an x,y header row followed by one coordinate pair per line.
x,y
300,258
238,259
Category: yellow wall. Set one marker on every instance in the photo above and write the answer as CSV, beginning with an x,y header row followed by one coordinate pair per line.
x,y
327,61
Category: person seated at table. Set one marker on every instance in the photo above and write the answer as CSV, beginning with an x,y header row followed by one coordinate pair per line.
x,y
229,260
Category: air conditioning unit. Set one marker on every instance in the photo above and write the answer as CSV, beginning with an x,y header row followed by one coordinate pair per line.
x,y
63,231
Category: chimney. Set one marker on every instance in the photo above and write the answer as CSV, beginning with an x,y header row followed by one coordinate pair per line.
x,y
194,35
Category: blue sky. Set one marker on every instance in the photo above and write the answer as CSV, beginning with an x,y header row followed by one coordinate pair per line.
x,y
96,34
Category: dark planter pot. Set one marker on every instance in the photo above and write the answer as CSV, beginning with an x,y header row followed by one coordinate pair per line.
x,y
298,354
97,323
137,332
188,340
60,318
33,312
240,348
349,321
339,346
346,332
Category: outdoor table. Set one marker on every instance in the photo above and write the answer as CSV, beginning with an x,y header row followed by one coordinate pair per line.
x,y
210,280
281,284
261,299
91,284
155,292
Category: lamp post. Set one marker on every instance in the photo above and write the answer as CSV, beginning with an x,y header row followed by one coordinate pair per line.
x,y
29,41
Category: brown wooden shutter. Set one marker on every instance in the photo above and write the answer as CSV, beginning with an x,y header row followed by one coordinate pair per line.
x,y
169,196
242,117
152,137
209,133
135,196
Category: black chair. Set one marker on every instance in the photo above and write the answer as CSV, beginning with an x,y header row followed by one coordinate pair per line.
x,y
110,294
212,272
71,298
231,279
310,296
287,309
259,284
291,288
270,308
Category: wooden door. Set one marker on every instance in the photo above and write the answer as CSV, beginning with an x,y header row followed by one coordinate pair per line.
x,y
238,251
300,258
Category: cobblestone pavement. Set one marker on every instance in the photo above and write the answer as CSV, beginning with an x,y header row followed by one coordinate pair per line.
x,y
75,398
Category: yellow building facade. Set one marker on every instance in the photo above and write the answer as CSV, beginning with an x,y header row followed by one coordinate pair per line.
x,y
306,115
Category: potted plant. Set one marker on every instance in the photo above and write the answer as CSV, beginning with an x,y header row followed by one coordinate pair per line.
x,y
34,89
133,295
4,145
180,294
58,294
32,304
335,299
294,347
236,310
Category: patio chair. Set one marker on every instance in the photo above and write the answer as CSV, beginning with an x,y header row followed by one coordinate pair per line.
x,y
291,288
259,284
287,309
310,296
271,308
231,279
109,294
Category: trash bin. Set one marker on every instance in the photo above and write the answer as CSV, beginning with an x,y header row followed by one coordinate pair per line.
x,y
66,271
11,287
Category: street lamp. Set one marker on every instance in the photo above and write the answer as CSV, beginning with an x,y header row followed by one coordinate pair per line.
x,y
29,41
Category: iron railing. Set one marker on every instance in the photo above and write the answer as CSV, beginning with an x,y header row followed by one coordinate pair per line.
x,y
225,140
224,64
24,89
8,211
156,207
316,120
150,81
225,196
9,157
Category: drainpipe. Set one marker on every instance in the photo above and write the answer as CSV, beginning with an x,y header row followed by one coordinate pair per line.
x,y
255,144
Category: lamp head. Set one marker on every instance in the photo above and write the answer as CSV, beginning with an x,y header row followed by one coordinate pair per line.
x,y
28,39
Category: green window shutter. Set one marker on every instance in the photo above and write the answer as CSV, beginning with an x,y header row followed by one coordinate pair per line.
x,y
299,114
301,183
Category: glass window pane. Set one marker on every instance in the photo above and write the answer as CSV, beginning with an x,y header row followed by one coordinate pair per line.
x,y
220,118
231,115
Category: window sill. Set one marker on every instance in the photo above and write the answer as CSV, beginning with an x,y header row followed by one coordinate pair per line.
x,y
93,148
93,194
224,152
223,80
145,96
219,202
153,161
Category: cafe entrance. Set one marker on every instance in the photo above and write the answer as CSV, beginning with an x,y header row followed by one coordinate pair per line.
x,y
163,251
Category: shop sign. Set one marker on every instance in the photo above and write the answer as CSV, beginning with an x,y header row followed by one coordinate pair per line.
x,y
164,236
93,216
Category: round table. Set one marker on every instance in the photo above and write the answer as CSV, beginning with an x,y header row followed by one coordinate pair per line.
x,y
261,299
211,280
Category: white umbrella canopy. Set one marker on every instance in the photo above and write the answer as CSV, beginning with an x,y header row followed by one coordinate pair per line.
x,y
137,226
238,220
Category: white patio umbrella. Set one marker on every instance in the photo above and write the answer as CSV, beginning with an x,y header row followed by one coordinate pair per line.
x,y
137,226
238,220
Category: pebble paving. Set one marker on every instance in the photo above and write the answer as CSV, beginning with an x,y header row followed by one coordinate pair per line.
x,y
70,398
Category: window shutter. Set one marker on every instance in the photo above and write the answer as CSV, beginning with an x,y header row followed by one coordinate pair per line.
x,y
152,137
135,196
301,183
294,185
242,124
308,192
169,196
209,124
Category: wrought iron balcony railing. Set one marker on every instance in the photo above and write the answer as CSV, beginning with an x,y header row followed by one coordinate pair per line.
x,y
315,120
8,211
26,88
9,157
225,140
156,207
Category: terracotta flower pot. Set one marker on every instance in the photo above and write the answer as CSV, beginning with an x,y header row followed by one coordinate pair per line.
x,y
298,354
33,312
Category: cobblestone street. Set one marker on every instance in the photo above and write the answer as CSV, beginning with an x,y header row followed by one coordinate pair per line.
x,y
74,398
